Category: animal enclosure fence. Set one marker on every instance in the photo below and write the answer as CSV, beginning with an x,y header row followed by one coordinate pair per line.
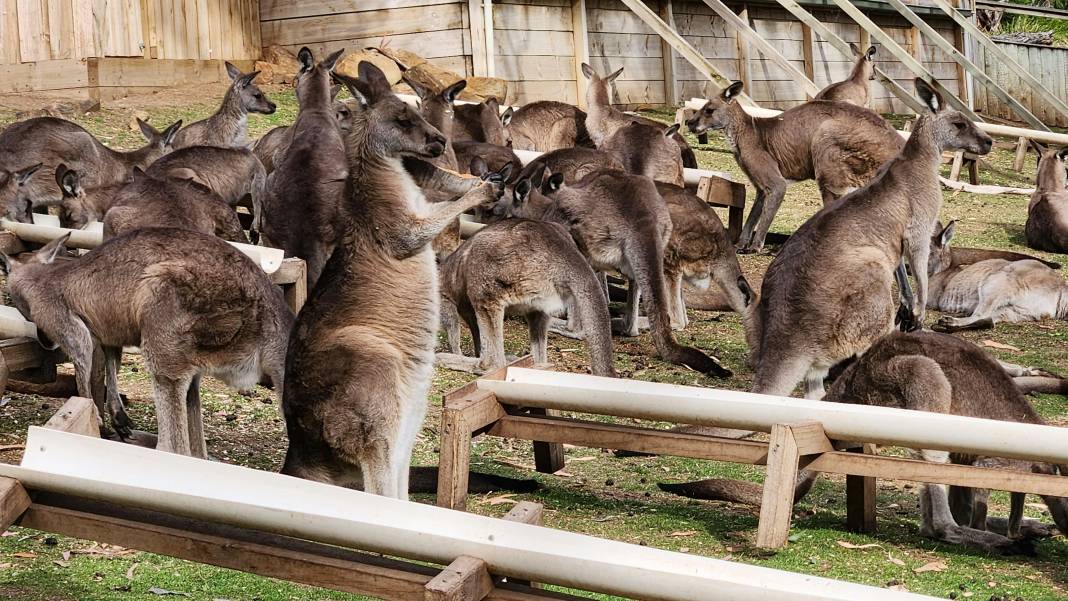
x,y
1048,63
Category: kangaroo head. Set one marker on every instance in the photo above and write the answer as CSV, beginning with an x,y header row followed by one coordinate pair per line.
x,y
20,208
1051,172
249,95
437,106
344,110
951,129
714,114
74,212
598,93
158,143
388,126
312,82
495,123
522,196
941,256
26,271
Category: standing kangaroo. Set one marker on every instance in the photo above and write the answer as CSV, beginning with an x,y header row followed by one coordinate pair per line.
x,y
1047,213
228,126
302,210
522,267
361,355
235,174
193,304
482,122
856,89
51,142
991,291
647,150
827,295
603,119
548,125
927,371
839,145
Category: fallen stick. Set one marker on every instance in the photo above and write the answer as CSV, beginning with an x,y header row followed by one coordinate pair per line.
x,y
984,189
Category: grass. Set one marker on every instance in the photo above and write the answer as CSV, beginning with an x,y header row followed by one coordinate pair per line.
x,y
596,494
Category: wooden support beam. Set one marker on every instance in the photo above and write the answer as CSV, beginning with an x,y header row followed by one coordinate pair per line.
x,y
479,50
860,498
722,192
958,162
580,32
777,503
1022,147
671,88
77,416
293,277
842,46
902,55
977,72
548,456
526,512
14,501
459,419
487,26
807,51
465,579
745,71
992,49
742,28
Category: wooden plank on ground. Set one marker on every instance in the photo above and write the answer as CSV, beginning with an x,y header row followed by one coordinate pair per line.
x,y
13,502
43,75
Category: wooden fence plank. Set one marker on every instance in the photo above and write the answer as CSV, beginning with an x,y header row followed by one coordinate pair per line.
x,y
370,24
9,32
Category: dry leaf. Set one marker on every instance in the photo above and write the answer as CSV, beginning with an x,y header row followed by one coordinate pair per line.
x,y
900,588
501,500
60,563
999,346
684,550
66,556
130,572
894,560
7,533
164,592
848,545
683,533
587,458
4,566
564,474
934,566
25,555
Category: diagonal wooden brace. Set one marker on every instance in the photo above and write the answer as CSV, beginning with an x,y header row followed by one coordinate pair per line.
x,y
788,444
14,501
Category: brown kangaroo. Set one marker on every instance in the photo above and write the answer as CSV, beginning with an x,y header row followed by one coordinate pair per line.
x,y
547,125
991,291
273,143
235,174
839,145
482,122
856,89
302,210
228,126
620,223
521,267
827,295
927,371
193,304
361,355
495,157
1047,213
50,142
576,163
647,150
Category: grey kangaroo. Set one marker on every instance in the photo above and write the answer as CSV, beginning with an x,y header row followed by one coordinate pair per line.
x,y
235,174
928,371
855,89
548,125
1047,213
193,304
647,150
839,145
520,267
302,210
482,122
361,355
228,126
827,295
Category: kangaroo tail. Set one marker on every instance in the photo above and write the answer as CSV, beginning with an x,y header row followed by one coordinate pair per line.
x,y
735,491
1041,385
592,310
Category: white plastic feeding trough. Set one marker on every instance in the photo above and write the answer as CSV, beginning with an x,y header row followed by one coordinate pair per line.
x,y
14,325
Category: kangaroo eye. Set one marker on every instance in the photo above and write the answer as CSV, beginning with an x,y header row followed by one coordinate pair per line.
x,y
404,122
959,125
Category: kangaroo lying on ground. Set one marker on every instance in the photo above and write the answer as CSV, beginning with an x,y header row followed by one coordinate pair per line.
x,y
856,89
361,355
647,150
699,253
482,122
51,142
302,211
520,267
1047,213
827,295
839,145
547,125
991,291
603,119
235,174
495,157
228,126
193,304
924,371
620,223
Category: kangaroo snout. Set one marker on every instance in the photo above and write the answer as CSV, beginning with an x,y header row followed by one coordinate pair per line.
x,y
694,125
983,144
271,108
435,145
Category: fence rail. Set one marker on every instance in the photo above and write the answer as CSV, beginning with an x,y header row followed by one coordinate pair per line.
x,y
1049,64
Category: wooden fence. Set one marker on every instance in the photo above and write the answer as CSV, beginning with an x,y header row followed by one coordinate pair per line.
x,y
1049,64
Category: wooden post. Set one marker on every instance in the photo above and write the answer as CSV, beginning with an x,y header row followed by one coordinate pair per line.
x,y
479,50
526,512
454,463
487,26
77,416
1022,146
744,73
292,276
958,162
865,40
807,50
465,579
580,31
777,503
962,73
860,498
548,456
13,502
671,96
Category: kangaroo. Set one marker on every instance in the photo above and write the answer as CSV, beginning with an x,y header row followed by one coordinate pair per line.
x,y
1047,213
494,156
925,371
576,163
839,145
827,295
856,89
51,142
647,150
164,202
482,122
522,267
991,291
193,304
302,210
361,355
547,125
273,143
235,174
620,223
603,119
228,126
971,506
21,207
699,253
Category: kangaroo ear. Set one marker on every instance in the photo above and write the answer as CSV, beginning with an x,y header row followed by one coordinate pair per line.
x,y
68,181
167,137
330,61
150,133
23,175
505,172
554,183
493,104
232,71
614,75
537,173
588,71
871,52
671,131
373,77
359,89
1037,146
854,48
930,97
307,61
246,80
48,252
732,91
746,290
1063,153
947,234
521,191
450,93
478,166
420,90
506,116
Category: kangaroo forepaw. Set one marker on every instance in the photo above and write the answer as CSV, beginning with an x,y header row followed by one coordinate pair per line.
x,y
906,320
122,424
